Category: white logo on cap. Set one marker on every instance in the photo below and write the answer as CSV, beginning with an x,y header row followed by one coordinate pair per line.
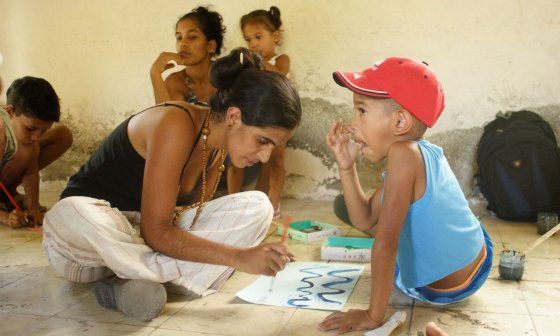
x,y
357,75
377,64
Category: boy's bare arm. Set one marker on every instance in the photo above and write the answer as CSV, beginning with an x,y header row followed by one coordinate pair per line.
x,y
346,152
31,186
403,167
360,209
375,205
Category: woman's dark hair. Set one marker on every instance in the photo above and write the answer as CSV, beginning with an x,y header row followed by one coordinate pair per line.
x,y
265,98
270,18
210,23
35,98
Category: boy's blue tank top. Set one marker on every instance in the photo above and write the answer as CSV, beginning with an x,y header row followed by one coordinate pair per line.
x,y
440,234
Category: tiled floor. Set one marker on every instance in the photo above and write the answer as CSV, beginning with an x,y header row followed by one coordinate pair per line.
x,y
35,301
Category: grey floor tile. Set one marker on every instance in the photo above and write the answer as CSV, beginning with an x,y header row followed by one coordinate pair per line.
x,y
8,278
57,327
543,298
168,332
222,313
41,296
31,292
539,269
361,293
18,324
456,322
89,310
547,325
305,322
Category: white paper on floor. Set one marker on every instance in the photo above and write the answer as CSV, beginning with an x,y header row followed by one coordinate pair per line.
x,y
309,285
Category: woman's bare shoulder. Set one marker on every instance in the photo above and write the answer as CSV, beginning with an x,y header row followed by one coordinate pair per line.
x,y
173,115
177,85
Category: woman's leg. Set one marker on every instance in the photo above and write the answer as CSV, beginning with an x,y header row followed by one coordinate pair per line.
x,y
93,234
84,236
65,243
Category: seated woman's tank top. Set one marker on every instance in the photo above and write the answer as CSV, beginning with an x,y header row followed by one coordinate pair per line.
x,y
115,172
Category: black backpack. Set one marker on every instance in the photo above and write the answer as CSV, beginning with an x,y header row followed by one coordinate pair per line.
x,y
519,166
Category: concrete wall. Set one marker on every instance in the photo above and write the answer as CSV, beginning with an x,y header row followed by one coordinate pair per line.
x,y
489,55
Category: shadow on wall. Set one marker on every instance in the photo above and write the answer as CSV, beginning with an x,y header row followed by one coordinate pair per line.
x,y
87,133
459,147
311,168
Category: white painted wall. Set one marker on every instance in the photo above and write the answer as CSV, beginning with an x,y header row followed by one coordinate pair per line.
x,y
489,55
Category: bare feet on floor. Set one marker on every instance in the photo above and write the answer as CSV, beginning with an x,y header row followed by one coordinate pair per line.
x,y
433,330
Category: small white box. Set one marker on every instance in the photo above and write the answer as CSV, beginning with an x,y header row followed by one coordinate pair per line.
x,y
310,230
347,249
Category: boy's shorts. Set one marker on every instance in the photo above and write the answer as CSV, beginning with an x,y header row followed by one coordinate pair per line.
x,y
435,297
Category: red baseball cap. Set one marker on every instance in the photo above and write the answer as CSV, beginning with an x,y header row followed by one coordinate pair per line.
x,y
412,84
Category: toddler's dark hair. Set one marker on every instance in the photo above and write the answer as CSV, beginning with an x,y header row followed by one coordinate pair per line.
x,y
211,24
34,97
265,98
271,18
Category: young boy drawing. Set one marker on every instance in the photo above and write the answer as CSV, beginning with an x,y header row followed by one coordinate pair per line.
x,y
427,240
32,107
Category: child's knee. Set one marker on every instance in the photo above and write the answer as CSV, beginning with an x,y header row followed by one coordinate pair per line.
x,y
64,137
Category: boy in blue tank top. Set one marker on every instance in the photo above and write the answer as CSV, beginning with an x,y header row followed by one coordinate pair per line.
x,y
427,240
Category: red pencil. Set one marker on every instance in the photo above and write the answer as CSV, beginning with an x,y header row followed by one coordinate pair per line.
x,y
12,200
285,225
14,203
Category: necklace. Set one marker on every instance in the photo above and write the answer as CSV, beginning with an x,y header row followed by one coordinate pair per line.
x,y
200,204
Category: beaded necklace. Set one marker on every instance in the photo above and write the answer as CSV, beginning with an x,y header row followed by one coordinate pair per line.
x,y
200,204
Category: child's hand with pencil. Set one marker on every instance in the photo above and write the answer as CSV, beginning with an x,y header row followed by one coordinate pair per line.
x,y
17,218
35,217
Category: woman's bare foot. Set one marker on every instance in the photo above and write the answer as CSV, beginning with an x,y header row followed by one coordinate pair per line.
x,y
433,330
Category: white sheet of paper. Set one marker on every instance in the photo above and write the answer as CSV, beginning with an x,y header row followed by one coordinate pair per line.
x,y
309,285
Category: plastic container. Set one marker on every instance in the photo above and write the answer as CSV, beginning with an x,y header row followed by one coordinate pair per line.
x,y
512,265
546,221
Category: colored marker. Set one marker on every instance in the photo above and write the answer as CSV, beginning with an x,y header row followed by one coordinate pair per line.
x,y
286,225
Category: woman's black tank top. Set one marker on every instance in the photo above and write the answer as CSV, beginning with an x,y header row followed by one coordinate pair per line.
x,y
115,172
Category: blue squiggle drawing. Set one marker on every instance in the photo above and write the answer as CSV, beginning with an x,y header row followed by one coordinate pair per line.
x,y
305,297
336,282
